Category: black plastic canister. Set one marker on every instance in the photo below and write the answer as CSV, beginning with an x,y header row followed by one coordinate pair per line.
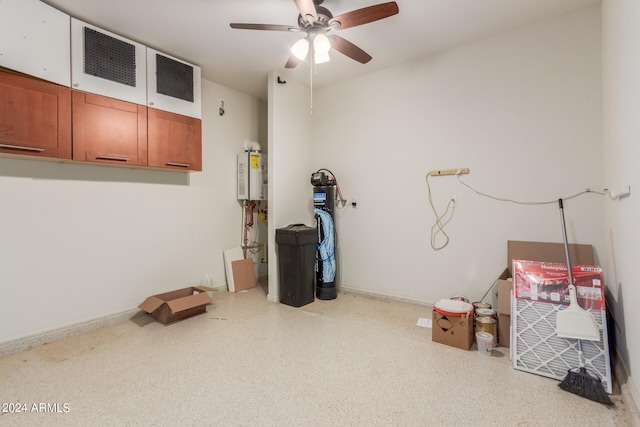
x,y
296,263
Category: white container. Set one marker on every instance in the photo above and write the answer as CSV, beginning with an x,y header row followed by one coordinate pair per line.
x,y
488,325
485,343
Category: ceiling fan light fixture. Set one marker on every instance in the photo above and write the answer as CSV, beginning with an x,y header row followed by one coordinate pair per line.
x,y
320,58
300,49
321,44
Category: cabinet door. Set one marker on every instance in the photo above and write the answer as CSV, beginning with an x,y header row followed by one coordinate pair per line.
x,y
34,39
35,117
175,141
173,85
107,64
108,130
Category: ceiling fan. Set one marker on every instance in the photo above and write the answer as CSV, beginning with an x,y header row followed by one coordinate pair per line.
x,y
317,21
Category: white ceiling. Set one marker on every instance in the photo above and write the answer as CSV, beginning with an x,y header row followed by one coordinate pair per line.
x,y
198,31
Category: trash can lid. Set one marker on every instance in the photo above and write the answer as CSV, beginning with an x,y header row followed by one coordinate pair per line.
x,y
294,228
296,234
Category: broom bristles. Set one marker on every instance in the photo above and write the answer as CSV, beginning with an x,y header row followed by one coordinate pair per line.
x,y
581,383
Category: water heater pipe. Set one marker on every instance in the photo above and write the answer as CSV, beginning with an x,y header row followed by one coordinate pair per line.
x,y
251,145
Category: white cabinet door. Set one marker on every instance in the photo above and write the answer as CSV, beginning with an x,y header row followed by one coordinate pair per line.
x,y
173,85
107,64
34,40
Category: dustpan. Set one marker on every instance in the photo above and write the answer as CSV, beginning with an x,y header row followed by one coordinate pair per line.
x,y
574,322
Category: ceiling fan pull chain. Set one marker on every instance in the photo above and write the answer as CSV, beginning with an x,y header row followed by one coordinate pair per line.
x,y
311,67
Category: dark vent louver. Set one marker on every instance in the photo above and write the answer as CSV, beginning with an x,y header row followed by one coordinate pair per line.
x,y
174,78
109,58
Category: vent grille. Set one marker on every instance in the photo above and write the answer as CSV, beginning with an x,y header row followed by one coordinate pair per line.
x,y
109,58
174,78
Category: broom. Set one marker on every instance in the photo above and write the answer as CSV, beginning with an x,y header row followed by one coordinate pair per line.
x,y
579,380
582,382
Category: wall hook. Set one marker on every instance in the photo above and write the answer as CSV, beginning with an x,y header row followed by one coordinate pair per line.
x,y
282,82
221,110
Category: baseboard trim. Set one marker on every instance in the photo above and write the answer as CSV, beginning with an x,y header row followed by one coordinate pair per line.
x,y
625,381
357,291
64,332
629,389
627,385
67,331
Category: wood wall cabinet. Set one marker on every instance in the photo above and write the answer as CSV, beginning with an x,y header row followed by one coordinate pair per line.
x,y
175,141
94,104
35,117
108,130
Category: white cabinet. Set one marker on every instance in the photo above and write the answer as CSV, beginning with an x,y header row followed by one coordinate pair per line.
x,y
34,40
107,64
173,85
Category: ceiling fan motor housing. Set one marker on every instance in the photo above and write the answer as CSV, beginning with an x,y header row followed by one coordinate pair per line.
x,y
321,24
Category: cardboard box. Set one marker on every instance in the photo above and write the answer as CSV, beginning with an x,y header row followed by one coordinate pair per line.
x,y
531,251
243,275
452,330
504,330
548,282
504,309
177,305
541,290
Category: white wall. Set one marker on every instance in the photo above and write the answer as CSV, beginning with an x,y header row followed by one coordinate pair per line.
x,y
290,161
520,109
79,242
621,129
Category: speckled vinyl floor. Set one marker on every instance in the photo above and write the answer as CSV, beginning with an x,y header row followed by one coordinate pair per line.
x,y
353,361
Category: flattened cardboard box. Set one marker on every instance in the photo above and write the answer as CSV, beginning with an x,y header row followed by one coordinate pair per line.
x,y
452,330
243,275
531,251
177,305
504,309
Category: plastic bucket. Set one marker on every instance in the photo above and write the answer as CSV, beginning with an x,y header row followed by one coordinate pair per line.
x,y
485,343
481,304
488,325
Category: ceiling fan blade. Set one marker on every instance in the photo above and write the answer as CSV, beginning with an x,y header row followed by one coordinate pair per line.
x,y
365,15
349,49
269,27
292,62
307,9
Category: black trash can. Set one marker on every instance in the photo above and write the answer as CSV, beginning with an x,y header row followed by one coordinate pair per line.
x,y
296,262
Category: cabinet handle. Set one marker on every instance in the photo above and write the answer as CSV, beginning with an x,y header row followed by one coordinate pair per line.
x,y
182,165
21,147
120,159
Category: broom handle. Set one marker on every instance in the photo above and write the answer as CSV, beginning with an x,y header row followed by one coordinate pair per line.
x,y
581,355
572,288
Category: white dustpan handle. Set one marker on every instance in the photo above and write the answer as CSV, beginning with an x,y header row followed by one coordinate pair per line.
x,y
590,329
573,299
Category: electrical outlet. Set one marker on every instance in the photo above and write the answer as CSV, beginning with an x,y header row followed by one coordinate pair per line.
x,y
622,193
442,172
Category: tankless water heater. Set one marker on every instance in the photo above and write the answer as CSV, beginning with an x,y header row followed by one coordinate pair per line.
x,y
252,176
